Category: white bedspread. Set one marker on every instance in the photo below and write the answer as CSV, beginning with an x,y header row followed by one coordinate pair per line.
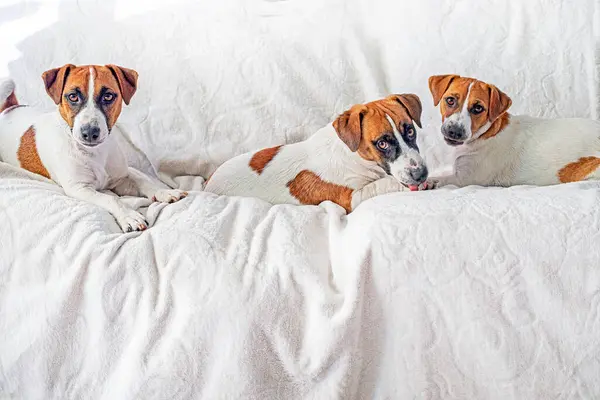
x,y
458,294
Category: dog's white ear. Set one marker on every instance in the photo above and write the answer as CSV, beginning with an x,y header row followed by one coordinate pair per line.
x,y
127,79
412,103
499,103
54,80
438,84
349,126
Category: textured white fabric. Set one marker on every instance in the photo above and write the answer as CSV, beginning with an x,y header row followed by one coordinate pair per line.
x,y
471,293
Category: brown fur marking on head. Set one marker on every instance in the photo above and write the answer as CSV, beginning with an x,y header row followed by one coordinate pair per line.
x,y
438,84
363,124
498,104
28,156
412,103
578,170
480,94
375,124
309,188
127,79
54,80
458,88
121,82
261,158
494,102
77,78
105,79
349,126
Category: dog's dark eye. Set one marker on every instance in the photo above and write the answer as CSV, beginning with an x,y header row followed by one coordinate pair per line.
x,y
451,101
108,97
477,109
410,132
73,97
382,145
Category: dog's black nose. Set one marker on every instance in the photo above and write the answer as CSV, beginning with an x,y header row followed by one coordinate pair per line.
x,y
90,133
419,173
454,132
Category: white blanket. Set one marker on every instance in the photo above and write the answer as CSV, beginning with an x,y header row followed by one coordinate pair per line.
x,y
448,294
456,293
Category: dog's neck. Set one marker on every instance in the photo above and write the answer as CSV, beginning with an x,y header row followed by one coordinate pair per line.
x,y
497,126
340,157
489,157
482,140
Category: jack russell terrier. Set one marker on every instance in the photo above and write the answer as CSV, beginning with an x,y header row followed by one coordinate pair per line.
x,y
494,148
368,150
73,146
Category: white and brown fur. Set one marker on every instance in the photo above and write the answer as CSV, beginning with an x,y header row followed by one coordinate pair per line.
x,y
74,146
494,148
369,150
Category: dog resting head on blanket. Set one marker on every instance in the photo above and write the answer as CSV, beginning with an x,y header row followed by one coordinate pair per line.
x,y
73,146
370,149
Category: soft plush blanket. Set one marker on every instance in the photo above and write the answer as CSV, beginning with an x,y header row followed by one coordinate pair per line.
x,y
448,294
465,293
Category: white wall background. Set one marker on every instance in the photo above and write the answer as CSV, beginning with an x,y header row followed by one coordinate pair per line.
x,y
222,77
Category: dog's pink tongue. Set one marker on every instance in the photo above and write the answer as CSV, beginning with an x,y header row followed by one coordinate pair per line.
x,y
413,188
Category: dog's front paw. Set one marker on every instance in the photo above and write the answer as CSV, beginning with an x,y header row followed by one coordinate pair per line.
x,y
169,195
131,220
429,184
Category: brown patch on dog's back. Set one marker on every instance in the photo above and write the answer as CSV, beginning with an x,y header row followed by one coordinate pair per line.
x,y
28,156
310,189
578,170
261,158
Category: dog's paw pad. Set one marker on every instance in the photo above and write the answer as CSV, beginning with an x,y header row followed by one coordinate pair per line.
x,y
169,196
131,220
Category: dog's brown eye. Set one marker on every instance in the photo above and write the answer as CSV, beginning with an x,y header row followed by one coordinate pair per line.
x,y
73,97
382,145
451,101
477,109
410,132
108,97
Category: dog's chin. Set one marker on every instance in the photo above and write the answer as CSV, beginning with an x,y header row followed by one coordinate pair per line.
x,y
452,142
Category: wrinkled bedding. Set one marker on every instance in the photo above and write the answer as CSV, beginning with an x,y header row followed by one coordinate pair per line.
x,y
467,293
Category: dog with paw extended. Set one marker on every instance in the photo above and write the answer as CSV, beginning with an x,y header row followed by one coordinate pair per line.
x,y
494,148
73,146
369,150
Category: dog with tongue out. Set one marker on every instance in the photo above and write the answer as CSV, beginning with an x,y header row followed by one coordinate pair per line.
x,y
370,149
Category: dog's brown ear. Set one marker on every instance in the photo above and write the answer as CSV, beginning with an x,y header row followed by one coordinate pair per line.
x,y
438,84
127,79
499,103
412,103
54,80
349,126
